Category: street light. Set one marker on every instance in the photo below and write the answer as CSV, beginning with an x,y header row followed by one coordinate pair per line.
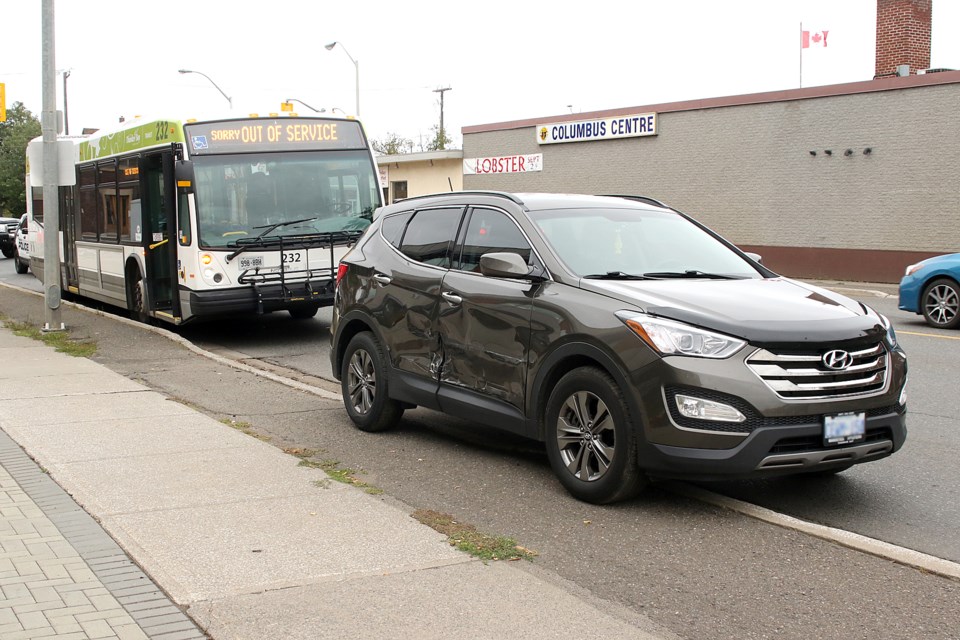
x,y
329,47
229,99
320,110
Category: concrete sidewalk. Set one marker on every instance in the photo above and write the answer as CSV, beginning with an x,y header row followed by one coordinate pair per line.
x,y
231,530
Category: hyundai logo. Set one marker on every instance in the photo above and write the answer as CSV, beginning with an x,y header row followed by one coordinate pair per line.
x,y
837,360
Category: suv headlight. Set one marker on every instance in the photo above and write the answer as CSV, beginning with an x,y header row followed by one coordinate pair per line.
x,y
668,337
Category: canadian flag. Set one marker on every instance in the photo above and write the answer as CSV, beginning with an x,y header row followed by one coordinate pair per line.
x,y
813,39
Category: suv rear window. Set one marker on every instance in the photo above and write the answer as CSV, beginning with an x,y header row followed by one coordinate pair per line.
x,y
429,235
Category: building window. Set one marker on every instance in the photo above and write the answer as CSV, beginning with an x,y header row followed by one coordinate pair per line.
x,y
399,190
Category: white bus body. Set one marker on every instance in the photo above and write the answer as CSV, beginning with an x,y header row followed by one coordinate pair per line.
x,y
184,220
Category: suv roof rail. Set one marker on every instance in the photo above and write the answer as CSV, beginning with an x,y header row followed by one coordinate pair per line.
x,y
475,192
644,199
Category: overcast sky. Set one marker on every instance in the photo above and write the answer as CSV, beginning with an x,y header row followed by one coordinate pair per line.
x,y
502,60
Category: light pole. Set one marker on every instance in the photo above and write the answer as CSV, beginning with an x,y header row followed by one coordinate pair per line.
x,y
229,99
356,66
66,121
321,110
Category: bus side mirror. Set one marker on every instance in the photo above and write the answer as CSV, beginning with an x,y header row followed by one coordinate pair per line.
x,y
183,172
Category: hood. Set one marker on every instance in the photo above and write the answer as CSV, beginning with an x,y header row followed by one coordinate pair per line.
x,y
775,310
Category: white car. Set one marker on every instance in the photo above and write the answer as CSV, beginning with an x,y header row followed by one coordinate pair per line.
x,y
21,246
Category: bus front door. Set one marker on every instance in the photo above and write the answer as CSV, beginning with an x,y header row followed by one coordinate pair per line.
x,y
159,233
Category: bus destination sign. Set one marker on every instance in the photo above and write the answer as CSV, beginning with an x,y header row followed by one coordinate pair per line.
x,y
263,134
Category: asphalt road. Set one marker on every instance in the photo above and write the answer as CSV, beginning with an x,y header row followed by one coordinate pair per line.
x,y
699,571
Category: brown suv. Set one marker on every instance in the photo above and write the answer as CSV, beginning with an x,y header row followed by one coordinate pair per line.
x,y
629,338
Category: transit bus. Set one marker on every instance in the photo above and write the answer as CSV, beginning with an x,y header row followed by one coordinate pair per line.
x,y
180,220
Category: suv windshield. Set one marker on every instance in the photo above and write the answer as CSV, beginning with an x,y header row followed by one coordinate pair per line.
x,y
238,196
622,243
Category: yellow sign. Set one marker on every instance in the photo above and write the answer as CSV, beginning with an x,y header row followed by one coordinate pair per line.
x,y
286,106
3,102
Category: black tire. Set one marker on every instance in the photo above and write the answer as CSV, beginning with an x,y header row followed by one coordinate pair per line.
x,y
597,461
940,303
18,264
138,300
305,312
7,252
363,382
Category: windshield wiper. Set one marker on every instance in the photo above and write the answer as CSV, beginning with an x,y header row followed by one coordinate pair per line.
x,y
616,275
690,273
248,242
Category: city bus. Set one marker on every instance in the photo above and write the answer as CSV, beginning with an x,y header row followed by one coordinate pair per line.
x,y
182,220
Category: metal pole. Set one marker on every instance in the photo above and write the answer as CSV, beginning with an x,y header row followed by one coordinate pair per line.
x,y
51,190
66,122
356,65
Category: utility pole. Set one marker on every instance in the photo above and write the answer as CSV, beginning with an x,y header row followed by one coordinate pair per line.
x,y
51,173
442,138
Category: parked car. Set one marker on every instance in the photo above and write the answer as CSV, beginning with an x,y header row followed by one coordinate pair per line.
x,y
8,235
629,338
931,288
21,246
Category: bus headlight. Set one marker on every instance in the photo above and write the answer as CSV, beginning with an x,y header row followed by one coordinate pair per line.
x,y
211,272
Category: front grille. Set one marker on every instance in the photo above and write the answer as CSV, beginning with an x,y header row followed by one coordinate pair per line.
x,y
796,374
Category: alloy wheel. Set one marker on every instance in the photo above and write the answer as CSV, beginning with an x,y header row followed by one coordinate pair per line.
x,y
362,381
586,436
942,304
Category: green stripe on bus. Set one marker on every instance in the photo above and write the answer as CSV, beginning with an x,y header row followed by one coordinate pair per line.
x,y
157,133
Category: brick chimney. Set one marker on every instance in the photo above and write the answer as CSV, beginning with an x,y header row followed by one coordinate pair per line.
x,y
903,35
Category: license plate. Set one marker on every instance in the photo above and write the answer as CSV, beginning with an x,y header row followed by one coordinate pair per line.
x,y
844,428
251,262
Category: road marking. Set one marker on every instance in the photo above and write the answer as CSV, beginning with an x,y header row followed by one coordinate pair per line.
x,y
927,335
872,546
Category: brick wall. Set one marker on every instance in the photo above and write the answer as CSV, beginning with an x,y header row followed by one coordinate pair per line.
x,y
903,35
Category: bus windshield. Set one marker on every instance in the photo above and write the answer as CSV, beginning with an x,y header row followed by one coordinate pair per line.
x,y
243,195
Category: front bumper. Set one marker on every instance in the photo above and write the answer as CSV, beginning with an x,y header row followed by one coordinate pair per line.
x,y
255,299
772,451
779,436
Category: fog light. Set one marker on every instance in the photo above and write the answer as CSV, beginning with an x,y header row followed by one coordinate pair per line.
x,y
701,409
903,394
218,278
208,273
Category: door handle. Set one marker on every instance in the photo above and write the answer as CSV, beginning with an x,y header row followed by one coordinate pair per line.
x,y
452,298
382,279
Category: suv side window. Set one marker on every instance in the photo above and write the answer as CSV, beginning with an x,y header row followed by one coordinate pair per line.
x,y
429,235
392,227
491,231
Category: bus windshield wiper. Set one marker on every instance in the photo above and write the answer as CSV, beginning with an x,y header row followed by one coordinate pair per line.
x,y
616,275
690,273
248,242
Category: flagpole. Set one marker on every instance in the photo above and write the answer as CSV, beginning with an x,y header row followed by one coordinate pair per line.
x,y
801,54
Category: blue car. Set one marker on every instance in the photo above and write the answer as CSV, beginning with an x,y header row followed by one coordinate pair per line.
x,y
932,287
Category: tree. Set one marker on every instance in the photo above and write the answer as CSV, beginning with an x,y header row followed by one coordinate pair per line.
x,y
440,139
20,128
392,145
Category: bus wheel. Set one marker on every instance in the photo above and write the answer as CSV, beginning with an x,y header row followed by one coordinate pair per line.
x,y
305,312
138,300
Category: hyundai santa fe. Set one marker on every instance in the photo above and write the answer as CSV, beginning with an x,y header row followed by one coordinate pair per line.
x,y
627,337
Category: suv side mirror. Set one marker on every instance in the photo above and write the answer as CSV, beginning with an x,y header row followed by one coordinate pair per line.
x,y
504,265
